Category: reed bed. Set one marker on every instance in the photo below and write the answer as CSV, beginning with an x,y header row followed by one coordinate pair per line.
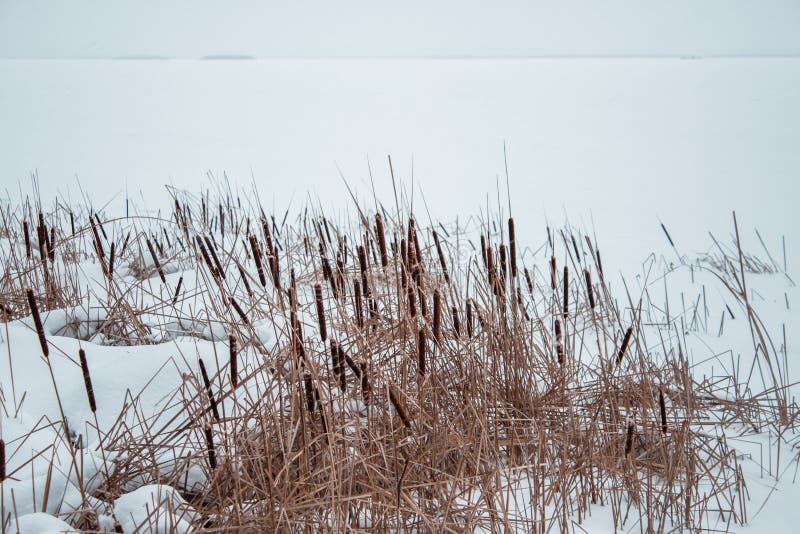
x,y
416,379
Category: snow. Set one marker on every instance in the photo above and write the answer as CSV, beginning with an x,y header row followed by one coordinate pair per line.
x,y
40,523
154,508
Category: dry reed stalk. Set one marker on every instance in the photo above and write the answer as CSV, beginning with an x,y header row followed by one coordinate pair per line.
x,y
37,322
212,401
87,380
323,331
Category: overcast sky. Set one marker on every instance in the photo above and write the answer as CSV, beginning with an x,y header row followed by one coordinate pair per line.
x,y
199,28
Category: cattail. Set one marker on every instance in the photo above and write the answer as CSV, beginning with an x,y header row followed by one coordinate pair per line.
x,y
2,460
239,311
243,276
37,321
589,287
357,302
212,455
26,232
211,400
559,343
469,318
600,266
490,271
629,439
663,409
624,346
177,291
412,303
212,250
503,266
100,225
437,316
309,387
111,261
87,381
206,257
398,406
421,345
97,243
456,322
257,259
344,357
565,310
323,331
362,263
233,363
483,250
336,364
124,243
441,257
575,248
51,244
381,240
553,282
528,281
366,389
72,222
512,241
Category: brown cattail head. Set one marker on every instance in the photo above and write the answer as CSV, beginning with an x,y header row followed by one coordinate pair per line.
x,y
26,232
213,251
344,357
553,282
381,240
211,400
625,341
629,439
239,311
559,342
663,409
155,260
111,261
362,263
589,288
309,388
437,316
512,242
357,302
87,380
421,345
336,364
177,290
456,321
565,309
257,259
469,318
366,389
212,454
2,460
394,398
440,253
232,361
37,322
323,331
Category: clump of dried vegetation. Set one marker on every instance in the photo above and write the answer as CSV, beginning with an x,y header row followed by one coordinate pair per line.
x,y
411,384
